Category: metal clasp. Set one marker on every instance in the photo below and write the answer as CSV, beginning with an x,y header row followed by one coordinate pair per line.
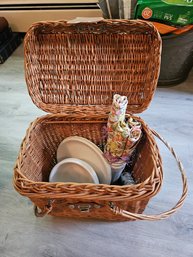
x,y
84,207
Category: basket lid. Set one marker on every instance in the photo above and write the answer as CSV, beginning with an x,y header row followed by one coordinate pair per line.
x,y
73,67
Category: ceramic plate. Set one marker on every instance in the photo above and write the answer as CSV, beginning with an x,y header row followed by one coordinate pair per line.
x,y
84,149
73,170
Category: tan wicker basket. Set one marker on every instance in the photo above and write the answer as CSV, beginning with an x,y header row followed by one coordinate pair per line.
x,y
73,71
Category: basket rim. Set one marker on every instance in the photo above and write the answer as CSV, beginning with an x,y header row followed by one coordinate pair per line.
x,y
21,182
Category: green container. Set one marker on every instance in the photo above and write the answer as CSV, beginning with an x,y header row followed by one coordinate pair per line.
x,y
170,12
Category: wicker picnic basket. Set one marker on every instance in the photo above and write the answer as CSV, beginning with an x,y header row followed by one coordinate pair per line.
x,y
73,71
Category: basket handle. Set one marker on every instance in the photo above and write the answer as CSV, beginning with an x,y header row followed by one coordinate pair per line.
x,y
166,214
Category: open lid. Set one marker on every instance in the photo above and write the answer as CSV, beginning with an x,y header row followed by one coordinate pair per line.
x,y
73,67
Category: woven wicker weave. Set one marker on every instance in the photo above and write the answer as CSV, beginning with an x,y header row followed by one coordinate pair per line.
x,y
79,67
73,71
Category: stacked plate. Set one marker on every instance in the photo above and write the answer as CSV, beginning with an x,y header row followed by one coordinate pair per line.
x,y
80,161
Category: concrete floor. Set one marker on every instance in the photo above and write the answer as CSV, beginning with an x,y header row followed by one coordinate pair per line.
x,y
22,234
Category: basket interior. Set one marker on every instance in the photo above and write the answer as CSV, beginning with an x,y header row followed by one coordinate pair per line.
x,y
43,140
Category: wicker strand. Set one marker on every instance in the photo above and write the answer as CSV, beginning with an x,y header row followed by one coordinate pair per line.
x,y
42,213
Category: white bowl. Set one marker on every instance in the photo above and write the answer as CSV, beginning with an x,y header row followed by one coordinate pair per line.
x,y
73,170
83,149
